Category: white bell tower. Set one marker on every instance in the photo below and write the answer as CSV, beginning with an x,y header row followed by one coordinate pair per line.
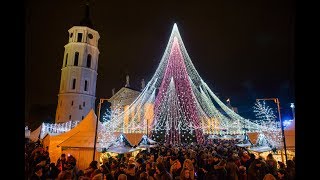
x,y
77,92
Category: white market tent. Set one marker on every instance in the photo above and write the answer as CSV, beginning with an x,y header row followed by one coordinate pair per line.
x,y
289,133
121,145
146,142
34,135
78,142
260,149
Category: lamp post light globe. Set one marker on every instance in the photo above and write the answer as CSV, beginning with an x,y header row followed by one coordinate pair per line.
x,y
292,105
292,108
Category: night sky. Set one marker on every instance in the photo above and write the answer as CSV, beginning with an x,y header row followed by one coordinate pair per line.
x,y
242,49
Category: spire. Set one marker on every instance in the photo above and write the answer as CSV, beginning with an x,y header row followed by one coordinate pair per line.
x,y
86,21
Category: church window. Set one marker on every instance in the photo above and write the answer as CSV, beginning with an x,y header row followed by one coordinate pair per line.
x,y
82,117
66,60
84,104
69,117
74,84
89,61
79,37
85,85
76,58
71,103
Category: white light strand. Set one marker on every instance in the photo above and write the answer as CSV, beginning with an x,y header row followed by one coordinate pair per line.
x,y
57,128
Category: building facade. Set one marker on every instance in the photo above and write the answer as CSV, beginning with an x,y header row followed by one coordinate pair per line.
x,y
78,75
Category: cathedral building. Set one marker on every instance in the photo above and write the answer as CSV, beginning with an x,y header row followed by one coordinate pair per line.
x,y
121,101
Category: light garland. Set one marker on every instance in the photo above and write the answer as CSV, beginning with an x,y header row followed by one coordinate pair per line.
x,y
57,128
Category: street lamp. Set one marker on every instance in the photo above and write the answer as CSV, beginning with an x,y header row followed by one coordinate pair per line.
x,y
276,100
292,108
98,119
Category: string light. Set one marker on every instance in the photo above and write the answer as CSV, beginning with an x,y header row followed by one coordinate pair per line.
x,y
57,128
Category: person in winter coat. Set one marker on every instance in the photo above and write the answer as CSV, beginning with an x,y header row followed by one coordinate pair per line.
x,y
271,165
162,173
257,170
232,169
187,164
53,172
61,162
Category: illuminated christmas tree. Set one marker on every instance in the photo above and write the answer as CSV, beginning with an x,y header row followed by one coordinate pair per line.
x,y
264,113
270,126
177,106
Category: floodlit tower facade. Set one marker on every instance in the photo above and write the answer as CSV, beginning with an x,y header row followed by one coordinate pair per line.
x,y
78,73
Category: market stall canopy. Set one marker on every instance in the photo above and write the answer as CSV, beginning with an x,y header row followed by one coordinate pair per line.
x,y
133,138
240,136
260,149
81,135
227,137
213,136
245,141
245,144
121,145
146,142
121,150
34,135
253,137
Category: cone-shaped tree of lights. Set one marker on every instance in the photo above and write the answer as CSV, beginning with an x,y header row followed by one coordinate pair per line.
x,y
175,104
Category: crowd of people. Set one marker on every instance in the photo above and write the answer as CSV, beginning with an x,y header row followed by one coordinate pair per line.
x,y
219,159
